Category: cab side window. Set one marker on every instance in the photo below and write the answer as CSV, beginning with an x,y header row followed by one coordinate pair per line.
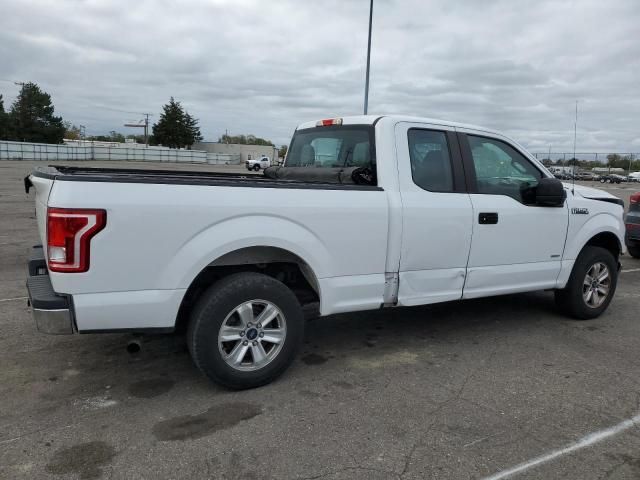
x,y
430,160
501,170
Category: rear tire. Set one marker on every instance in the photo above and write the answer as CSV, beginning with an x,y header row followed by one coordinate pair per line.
x,y
634,251
230,351
583,298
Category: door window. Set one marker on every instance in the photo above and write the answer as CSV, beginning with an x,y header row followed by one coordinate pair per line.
x,y
430,160
501,170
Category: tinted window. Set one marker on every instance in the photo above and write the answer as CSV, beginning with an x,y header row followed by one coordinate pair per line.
x,y
430,160
502,170
344,146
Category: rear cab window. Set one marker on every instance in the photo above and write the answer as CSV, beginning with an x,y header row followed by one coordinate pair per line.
x,y
340,146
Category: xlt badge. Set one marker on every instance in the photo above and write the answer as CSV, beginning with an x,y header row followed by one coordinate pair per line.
x,y
580,211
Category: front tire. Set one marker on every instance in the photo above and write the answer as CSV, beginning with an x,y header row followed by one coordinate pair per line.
x,y
591,285
245,330
256,168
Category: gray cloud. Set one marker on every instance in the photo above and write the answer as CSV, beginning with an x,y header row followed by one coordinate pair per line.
x,y
263,67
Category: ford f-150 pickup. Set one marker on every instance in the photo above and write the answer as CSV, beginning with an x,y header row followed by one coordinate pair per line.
x,y
367,212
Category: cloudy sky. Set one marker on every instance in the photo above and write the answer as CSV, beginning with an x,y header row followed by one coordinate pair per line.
x,y
262,67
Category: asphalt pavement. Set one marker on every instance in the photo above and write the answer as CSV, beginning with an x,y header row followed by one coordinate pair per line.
x,y
464,390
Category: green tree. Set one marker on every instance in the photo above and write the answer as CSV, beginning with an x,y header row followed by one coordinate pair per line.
x,y
193,130
614,160
282,151
71,132
175,128
244,140
4,121
32,117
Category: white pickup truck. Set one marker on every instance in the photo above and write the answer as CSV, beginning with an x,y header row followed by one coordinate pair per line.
x,y
369,212
258,163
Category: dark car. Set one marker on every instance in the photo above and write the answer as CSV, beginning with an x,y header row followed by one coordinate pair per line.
x,y
612,178
632,224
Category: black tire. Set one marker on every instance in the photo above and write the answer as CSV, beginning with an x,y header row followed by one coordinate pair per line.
x,y
634,251
570,299
256,167
213,307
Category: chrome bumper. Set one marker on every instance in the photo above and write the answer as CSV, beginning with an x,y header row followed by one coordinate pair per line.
x,y
53,322
52,313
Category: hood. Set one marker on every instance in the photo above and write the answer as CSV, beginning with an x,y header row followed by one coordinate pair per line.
x,y
588,192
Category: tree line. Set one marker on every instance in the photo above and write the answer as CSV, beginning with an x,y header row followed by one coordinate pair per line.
x,y
32,118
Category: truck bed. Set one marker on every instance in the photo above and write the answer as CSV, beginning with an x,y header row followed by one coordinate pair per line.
x,y
176,177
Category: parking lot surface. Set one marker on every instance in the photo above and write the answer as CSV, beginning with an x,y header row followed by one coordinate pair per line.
x,y
464,390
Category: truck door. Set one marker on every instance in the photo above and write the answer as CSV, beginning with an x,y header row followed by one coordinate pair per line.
x,y
436,214
517,245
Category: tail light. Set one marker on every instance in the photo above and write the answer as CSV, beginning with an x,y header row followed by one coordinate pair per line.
x,y
328,122
635,198
69,234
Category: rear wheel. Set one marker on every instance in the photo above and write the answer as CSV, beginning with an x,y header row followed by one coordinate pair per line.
x,y
634,251
591,285
245,330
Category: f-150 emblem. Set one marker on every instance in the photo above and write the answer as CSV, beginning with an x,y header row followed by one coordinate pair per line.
x,y
580,211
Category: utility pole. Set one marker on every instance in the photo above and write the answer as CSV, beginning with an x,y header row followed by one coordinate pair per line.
x,y
366,83
146,129
144,125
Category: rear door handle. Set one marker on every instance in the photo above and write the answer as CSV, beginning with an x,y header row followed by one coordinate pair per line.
x,y
488,218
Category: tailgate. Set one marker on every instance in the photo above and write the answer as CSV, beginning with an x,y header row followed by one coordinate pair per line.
x,y
43,188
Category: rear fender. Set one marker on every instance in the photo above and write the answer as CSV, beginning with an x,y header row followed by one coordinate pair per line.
x,y
232,234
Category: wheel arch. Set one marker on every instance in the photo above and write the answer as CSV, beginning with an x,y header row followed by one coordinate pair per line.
x,y
607,240
276,262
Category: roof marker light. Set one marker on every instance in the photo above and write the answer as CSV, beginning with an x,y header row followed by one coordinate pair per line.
x,y
328,122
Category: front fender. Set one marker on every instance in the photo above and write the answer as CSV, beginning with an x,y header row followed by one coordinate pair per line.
x,y
242,232
599,223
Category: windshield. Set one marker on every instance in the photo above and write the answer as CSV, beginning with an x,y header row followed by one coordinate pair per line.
x,y
341,146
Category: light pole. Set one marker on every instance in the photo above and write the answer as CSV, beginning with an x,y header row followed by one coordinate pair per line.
x,y
366,84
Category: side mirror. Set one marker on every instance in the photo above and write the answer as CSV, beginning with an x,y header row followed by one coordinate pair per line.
x,y
550,193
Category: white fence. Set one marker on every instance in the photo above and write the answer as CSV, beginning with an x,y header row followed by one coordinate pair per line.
x,y
49,152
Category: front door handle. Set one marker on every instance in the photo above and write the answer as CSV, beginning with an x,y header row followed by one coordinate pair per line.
x,y
488,218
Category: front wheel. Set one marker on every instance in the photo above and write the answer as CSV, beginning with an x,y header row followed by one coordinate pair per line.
x,y
245,330
256,168
591,285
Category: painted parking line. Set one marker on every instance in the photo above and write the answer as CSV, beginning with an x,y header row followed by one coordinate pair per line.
x,y
584,442
12,299
629,270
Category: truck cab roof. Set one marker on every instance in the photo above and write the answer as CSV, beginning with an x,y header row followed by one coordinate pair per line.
x,y
372,119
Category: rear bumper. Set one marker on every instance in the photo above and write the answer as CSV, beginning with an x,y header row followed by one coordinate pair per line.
x,y
52,313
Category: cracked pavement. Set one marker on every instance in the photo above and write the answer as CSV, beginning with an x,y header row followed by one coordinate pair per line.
x,y
451,391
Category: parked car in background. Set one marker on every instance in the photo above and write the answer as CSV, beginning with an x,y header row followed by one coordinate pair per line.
x,y
258,163
633,177
586,176
612,178
632,225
